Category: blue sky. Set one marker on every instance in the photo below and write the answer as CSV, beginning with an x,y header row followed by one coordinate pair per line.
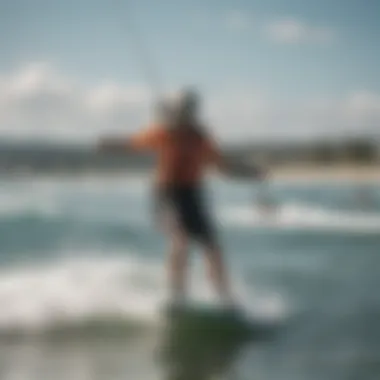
x,y
283,50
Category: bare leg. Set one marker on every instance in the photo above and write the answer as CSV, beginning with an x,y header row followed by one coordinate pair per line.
x,y
218,273
178,257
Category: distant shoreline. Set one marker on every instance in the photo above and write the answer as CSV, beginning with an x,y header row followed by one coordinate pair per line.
x,y
288,172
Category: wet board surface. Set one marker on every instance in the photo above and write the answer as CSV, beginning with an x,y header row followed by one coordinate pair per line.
x,y
211,321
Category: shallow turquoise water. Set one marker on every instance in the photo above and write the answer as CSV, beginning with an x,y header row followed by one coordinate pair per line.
x,y
82,278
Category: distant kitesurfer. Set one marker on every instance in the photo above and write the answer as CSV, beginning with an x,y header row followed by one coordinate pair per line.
x,y
185,149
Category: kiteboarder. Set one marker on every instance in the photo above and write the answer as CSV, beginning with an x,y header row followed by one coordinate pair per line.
x,y
184,150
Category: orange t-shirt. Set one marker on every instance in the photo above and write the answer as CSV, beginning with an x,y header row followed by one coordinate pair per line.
x,y
183,155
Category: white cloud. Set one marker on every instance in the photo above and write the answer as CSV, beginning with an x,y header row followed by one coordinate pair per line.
x,y
284,30
293,31
239,21
39,102
244,116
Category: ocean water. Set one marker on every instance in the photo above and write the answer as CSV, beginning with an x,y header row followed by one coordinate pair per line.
x,y
82,280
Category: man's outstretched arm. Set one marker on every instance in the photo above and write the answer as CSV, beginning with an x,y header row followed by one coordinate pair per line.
x,y
144,140
239,169
233,167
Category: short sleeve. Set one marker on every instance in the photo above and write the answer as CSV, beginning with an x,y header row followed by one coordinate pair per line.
x,y
149,138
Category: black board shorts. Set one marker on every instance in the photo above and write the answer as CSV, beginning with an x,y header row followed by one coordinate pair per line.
x,y
186,204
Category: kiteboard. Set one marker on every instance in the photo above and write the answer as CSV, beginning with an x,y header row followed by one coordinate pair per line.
x,y
213,320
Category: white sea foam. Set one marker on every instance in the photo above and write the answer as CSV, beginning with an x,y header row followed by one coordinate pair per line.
x,y
302,217
73,291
